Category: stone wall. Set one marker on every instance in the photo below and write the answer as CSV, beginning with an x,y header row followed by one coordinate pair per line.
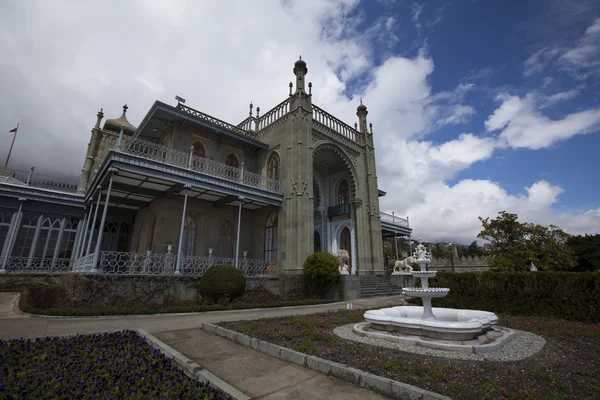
x,y
119,290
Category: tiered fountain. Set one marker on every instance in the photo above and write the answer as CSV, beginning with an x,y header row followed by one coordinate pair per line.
x,y
447,328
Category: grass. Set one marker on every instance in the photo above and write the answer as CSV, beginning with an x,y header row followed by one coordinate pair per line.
x,y
566,368
120,365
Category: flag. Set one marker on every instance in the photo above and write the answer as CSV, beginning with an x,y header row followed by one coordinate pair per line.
x,y
13,130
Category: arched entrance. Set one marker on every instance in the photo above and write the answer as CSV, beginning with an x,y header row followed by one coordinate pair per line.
x,y
346,244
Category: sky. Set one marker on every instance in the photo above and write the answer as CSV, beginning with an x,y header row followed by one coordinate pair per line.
x,y
478,106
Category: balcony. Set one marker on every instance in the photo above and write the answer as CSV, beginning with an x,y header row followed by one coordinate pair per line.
x,y
166,155
394,220
339,210
391,225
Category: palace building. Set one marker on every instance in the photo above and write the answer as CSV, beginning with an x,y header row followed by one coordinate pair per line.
x,y
184,191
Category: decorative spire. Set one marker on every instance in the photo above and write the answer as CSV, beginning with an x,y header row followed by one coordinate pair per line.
x,y
300,71
257,112
251,108
125,108
100,115
310,88
291,86
371,127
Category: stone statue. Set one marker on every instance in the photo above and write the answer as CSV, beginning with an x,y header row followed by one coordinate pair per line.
x,y
343,257
403,266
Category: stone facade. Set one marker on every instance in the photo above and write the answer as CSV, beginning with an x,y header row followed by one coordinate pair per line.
x,y
301,180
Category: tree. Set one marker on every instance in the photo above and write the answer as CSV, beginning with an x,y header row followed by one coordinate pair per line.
x,y
474,250
515,245
587,251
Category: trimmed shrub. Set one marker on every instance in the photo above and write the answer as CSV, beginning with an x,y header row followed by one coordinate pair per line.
x,y
320,270
222,283
565,295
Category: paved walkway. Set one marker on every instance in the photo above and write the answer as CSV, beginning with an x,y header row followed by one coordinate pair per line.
x,y
256,374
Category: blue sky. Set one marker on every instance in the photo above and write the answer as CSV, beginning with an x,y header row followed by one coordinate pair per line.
x,y
477,106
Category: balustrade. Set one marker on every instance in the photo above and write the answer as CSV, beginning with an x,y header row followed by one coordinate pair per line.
x,y
394,220
45,182
163,154
331,122
214,120
274,114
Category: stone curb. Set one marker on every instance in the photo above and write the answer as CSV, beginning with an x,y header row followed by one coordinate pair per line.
x,y
193,369
384,386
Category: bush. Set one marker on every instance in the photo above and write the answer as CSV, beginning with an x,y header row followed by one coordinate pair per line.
x,y
565,295
319,271
222,283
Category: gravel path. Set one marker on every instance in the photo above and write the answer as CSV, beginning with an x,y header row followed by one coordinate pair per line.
x,y
524,345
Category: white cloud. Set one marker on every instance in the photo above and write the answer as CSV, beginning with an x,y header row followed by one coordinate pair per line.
x,y
522,125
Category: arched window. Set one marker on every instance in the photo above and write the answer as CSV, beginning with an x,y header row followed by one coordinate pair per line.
x,y
226,240
199,156
189,236
271,238
317,242
273,166
234,162
343,192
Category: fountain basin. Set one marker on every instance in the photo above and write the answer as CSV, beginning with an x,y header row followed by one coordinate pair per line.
x,y
424,274
430,292
449,323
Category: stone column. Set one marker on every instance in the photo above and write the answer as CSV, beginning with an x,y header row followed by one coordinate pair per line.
x,y
354,265
101,229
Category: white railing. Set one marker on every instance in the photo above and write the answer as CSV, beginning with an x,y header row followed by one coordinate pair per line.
x,y
247,124
83,264
167,155
394,220
331,122
215,121
274,114
45,182
125,263
38,265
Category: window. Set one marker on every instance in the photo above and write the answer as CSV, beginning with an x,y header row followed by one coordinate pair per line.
x,y
189,236
343,192
273,166
226,240
271,238
234,162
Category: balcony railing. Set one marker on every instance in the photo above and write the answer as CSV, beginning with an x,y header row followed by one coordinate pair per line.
x,y
339,210
215,121
37,265
331,122
42,181
274,114
394,220
167,155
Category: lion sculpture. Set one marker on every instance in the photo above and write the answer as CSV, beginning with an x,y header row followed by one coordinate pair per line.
x,y
404,265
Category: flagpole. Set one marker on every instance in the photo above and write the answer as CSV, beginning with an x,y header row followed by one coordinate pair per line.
x,y
11,146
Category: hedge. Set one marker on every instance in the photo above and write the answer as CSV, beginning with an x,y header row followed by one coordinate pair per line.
x,y
566,295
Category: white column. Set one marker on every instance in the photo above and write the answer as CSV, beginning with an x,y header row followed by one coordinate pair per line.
x,y
89,244
239,224
395,238
181,230
354,265
101,229
79,236
61,233
11,236
36,236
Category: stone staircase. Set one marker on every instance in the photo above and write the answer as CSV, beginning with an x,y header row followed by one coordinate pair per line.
x,y
377,286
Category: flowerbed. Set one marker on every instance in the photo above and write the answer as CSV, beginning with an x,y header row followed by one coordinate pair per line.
x,y
565,368
119,365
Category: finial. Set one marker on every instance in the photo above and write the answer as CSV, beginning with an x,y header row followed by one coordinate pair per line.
x,y
125,108
102,109
309,88
291,88
251,108
355,126
371,126
301,57
257,112
361,100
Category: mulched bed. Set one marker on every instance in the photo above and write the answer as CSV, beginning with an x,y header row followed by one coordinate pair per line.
x,y
119,365
567,367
